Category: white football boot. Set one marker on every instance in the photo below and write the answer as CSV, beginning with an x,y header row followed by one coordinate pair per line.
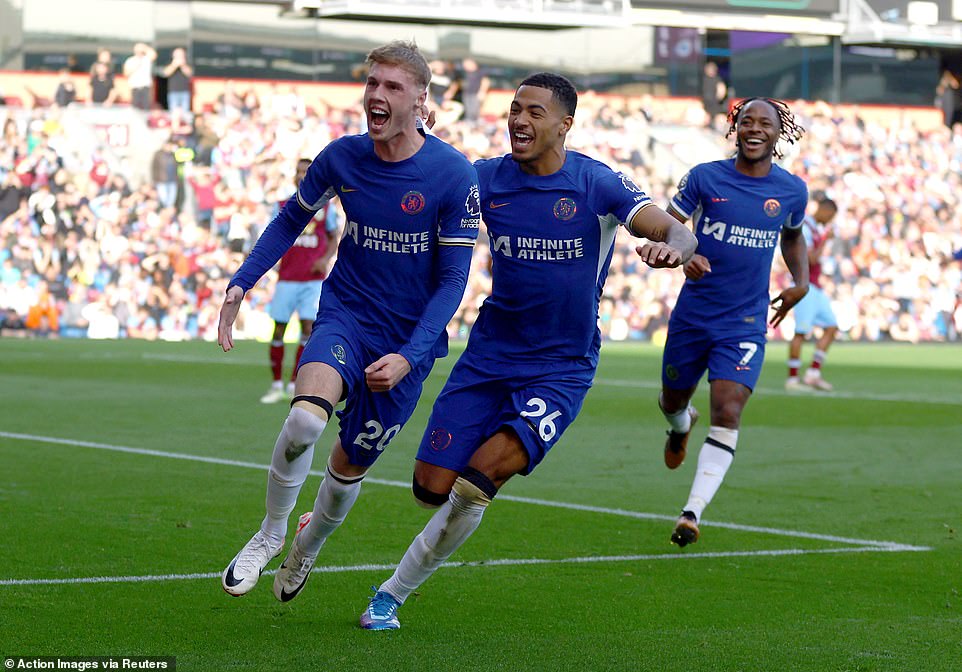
x,y
296,568
793,384
813,378
243,571
274,395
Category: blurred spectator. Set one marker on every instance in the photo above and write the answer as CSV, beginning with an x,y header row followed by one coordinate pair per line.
x,y
43,317
66,92
179,74
442,87
102,91
473,86
714,92
163,171
948,96
11,324
139,70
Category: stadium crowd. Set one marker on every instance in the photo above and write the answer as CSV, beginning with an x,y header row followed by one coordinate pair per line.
x,y
87,251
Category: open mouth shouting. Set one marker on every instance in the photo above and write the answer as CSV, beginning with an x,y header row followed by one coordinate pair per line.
x,y
378,117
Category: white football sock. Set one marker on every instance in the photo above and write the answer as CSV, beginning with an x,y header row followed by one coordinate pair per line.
x,y
679,422
715,458
335,498
290,465
450,527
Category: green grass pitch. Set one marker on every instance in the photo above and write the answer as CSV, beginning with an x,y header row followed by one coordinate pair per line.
x,y
833,544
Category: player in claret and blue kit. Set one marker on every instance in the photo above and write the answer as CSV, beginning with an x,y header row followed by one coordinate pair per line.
x,y
551,217
740,207
412,210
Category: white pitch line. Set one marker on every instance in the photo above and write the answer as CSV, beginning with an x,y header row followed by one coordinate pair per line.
x,y
880,545
498,562
611,382
780,392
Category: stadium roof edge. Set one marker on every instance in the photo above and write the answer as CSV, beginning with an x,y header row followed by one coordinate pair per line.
x,y
533,16
763,23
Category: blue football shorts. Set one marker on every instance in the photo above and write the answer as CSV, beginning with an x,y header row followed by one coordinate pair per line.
x,y
483,397
369,420
814,310
291,297
727,355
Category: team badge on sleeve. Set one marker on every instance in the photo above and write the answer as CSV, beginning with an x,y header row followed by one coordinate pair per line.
x,y
412,202
629,184
683,182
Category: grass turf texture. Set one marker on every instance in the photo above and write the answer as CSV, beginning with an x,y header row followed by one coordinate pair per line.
x,y
878,460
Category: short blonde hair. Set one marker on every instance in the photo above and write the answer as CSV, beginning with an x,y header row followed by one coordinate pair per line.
x,y
405,55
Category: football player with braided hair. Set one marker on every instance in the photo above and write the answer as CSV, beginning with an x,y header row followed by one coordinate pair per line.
x,y
742,208
789,130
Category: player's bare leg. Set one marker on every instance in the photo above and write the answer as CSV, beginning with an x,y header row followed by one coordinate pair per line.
x,y
306,327
497,460
728,400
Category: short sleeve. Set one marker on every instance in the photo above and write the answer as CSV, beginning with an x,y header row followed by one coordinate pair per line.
x,y
797,216
688,198
617,194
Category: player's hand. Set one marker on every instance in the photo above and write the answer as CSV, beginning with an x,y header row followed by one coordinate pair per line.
x,y
386,372
228,313
696,267
659,255
785,301
428,117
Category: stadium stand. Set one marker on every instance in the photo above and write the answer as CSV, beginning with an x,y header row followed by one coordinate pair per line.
x,y
89,251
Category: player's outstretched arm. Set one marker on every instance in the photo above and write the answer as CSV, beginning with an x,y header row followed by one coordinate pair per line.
x,y
795,253
672,244
228,313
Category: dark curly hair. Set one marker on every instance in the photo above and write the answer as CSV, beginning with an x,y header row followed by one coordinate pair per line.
x,y
789,130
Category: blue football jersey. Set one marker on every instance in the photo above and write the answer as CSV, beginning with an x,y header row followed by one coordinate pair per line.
x,y
551,240
400,218
737,220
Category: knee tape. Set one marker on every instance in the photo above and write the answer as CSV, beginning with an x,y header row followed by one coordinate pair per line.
x,y
311,403
427,499
474,487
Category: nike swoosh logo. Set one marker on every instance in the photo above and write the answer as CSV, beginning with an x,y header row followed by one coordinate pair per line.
x,y
495,206
286,596
229,578
346,190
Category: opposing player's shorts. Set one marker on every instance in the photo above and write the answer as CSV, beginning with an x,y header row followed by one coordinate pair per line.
x,y
291,297
814,310
369,420
727,355
483,397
